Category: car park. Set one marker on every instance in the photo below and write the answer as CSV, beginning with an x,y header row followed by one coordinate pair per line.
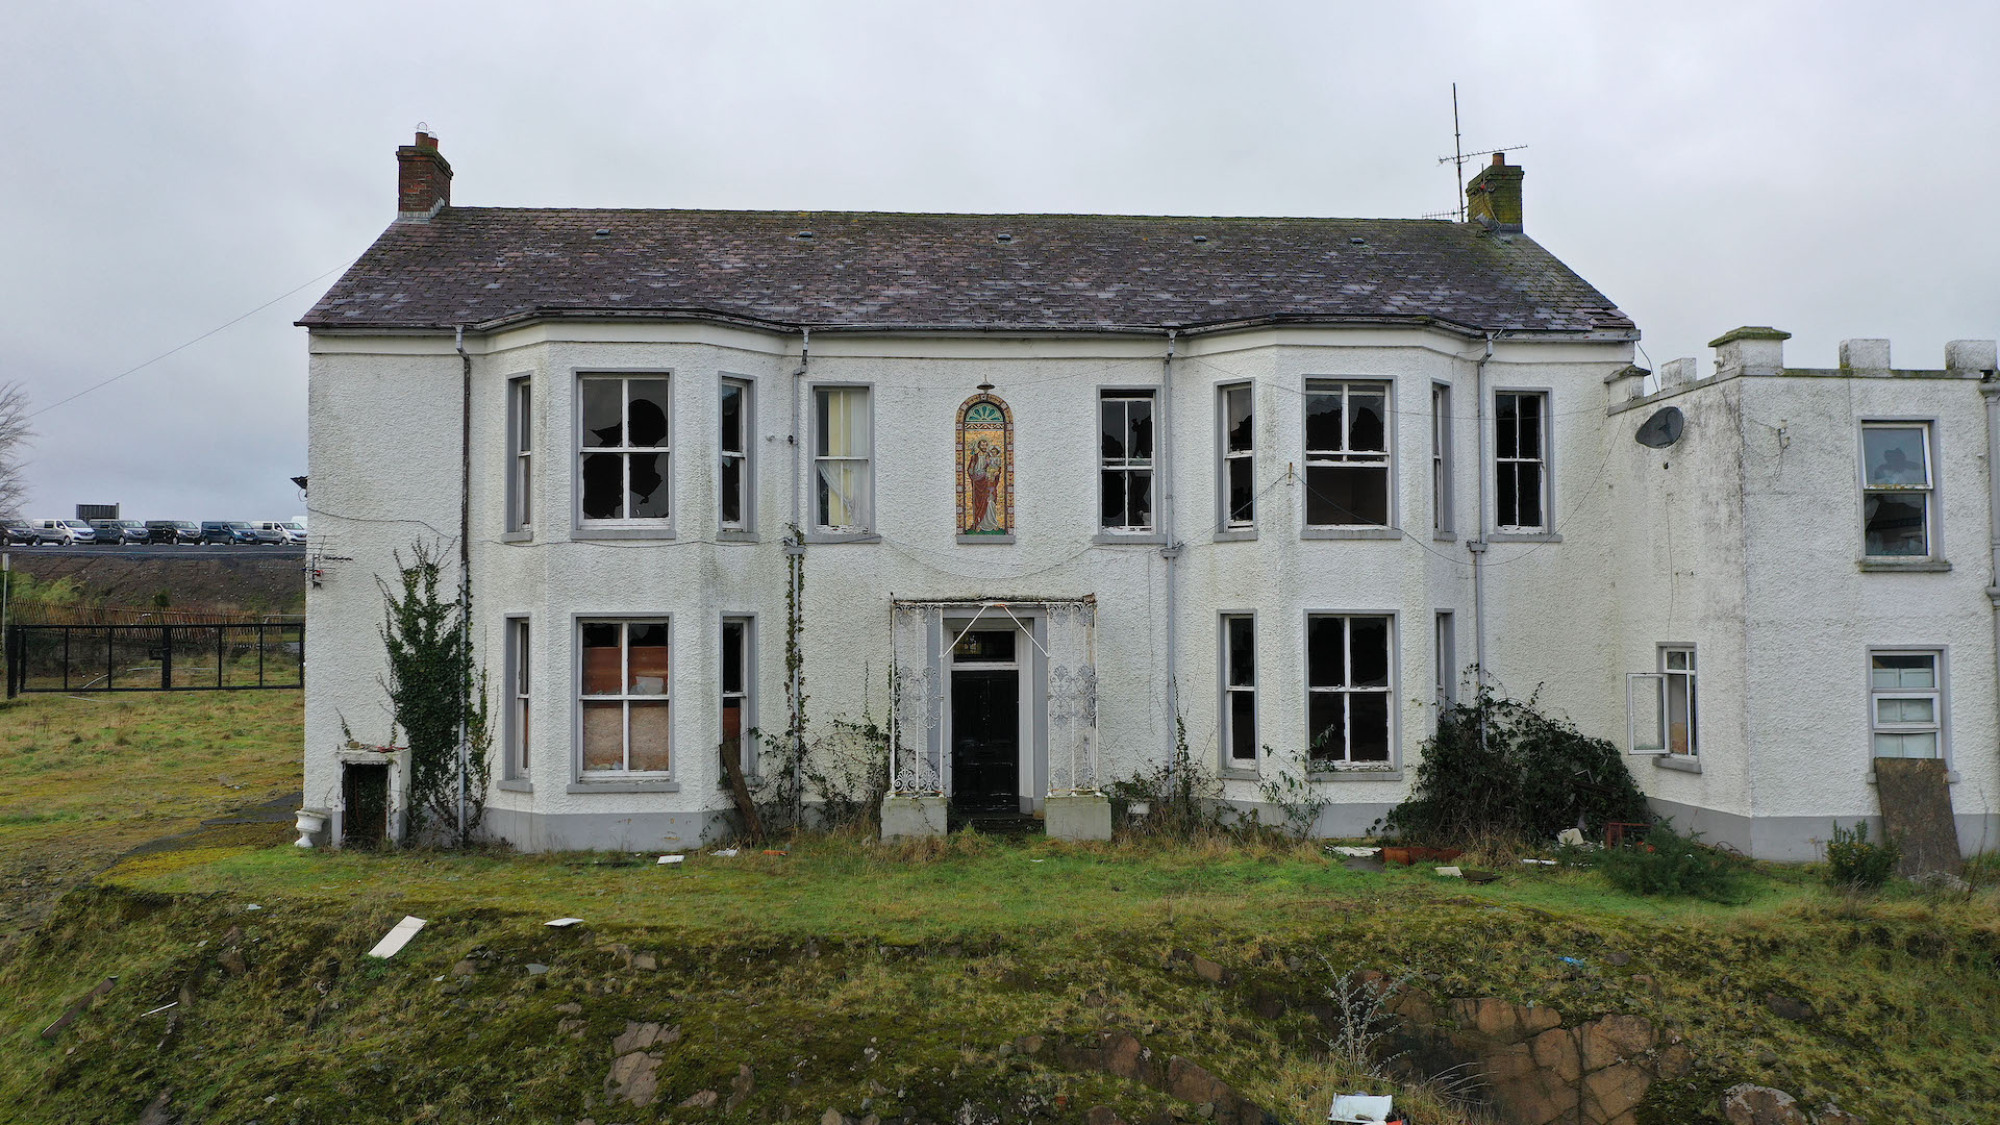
x,y
173,531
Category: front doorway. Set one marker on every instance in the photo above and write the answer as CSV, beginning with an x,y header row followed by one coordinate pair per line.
x,y
986,722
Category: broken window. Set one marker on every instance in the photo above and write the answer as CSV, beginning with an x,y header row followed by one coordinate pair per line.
x,y
1906,703
1348,690
736,689
626,459
1662,712
1239,690
1896,489
517,698
843,425
1125,464
1238,469
520,459
624,696
1441,515
1679,708
735,447
1520,460
1347,454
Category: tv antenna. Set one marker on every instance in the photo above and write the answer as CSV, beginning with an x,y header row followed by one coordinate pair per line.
x,y
1458,158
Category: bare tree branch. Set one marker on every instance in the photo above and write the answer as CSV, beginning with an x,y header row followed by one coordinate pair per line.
x,y
15,434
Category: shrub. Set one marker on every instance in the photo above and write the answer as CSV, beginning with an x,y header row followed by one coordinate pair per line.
x,y
1183,797
1854,862
1670,864
1529,776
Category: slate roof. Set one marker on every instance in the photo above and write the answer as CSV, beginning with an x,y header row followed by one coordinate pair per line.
x,y
484,266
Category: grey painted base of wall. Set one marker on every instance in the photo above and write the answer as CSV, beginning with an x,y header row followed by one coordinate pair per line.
x,y
1801,839
618,832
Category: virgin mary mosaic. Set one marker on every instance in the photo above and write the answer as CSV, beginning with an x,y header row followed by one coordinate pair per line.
x,y
985,467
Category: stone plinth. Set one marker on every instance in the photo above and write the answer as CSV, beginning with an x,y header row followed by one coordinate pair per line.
x,y
1083,816
905,817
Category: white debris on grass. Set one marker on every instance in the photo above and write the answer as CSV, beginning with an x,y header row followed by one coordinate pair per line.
x,y
1449,872
1541,862
1571,836
1357,853
726,853
1364,1108
561,923
398,936
672,858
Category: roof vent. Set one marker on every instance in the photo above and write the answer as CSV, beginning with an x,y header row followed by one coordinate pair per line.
x,y
1003,236
803,234
1201,238
601,232
1357,240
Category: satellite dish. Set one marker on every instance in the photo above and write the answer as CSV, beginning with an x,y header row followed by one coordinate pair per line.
x,y
1662,429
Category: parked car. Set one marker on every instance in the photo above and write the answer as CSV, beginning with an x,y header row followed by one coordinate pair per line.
x,y
173,531
68,533
229,533
283,531
15,533
116,533
295,530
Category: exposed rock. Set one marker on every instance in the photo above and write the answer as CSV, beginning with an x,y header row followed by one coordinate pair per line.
x,y
1124,1056
1209,970
1415,1005
232,960
621,951
465,968
1503,1022
1103,1115
703,1099
1030,1044
1676,1061
634,1078
1555,1051
1787,1007
1618,957
645,962
1190,1083
1940,881
742,1086
1611,1093
640,1036
971,1113
1615,1037
156,1110
835,1117
1831,1114
1761,1105
536,968
573,1028
570,1008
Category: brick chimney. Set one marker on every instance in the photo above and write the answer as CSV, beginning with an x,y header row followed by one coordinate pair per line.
x,y
1494,195
423,180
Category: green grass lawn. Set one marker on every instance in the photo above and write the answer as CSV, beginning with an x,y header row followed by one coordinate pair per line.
x,y
847,970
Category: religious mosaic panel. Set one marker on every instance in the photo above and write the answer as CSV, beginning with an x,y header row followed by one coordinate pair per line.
x,y
985,467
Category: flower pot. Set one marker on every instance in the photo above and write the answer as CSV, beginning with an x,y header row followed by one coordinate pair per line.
x,y
310,823
1404,856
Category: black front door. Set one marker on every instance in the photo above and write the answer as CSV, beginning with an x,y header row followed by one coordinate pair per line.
x,y
986,740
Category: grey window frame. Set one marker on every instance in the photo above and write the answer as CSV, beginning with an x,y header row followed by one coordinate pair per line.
x,y
1385,458
1688,679
520,520
1546,530
651,527
1227,523
1151,466
1930,491
747,653
1227,690
1444,522
1939,693
1391,768
1444,653
515,757
866,531
650,778
744,529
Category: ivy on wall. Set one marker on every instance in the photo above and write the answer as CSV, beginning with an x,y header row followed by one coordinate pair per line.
x,y
437,697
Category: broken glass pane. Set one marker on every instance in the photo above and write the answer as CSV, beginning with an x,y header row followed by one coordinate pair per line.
x,y
1322,421
1326,722
1531,426
1138,500
1366,431
1111,428
647,413
1895,456
649,485
647,659
1326,652
1528,495
1237,426
603,412
1139,415
732,418
1895,524
603,486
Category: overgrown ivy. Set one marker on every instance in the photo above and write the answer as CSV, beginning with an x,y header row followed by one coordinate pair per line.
x,y
434,686
1501,768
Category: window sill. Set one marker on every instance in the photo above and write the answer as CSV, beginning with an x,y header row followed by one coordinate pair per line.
x,y
842,537
1351,533
1685,763
986,540
737,537
1355,775
1903,566
1128,539
1524,537
1444,536
664,531
521,535
1236,535
632,785
1950,776
1240,773
515,785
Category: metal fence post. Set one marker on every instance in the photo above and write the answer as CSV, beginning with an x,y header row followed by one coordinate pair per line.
x,y
166,658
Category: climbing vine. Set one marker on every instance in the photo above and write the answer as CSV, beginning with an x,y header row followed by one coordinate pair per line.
x,y
434,690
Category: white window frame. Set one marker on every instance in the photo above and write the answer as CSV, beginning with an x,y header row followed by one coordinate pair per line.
x,y
1129,466
864,507
1545,461
1937,694
624,696
1346,456
1390,764
1443,521
1231,460
520,697
1928,490
745,457
624,451
521,454
746,696
1230,689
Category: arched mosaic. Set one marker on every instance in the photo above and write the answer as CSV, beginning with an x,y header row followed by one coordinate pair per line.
x,y
985,467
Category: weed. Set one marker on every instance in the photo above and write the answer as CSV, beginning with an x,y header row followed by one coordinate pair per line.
x,y
1362,1019
1668,863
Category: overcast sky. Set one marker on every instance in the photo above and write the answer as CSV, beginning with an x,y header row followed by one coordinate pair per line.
x,y
168,168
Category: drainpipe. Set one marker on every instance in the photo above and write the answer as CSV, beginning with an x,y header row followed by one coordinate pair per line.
x,y
1477,544
1163,432
1990,391
464,557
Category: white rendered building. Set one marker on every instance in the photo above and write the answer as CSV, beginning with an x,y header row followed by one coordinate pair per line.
x,y
1059,479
